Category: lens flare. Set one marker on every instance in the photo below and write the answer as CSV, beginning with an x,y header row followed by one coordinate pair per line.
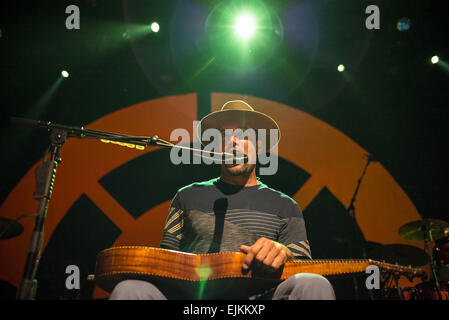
x,y
245,26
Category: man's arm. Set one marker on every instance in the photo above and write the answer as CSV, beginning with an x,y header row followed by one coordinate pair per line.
x,y
292,242
173,229
293,234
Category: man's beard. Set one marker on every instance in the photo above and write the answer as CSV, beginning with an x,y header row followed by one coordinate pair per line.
x,y
244,169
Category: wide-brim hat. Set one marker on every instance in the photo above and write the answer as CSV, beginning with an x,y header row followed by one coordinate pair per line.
x,y
239,114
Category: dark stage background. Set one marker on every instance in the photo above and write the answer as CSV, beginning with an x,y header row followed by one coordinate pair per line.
x,y
390,100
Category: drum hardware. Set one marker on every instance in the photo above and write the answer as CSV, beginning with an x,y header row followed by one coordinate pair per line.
x,y
398,288
391,290
432,261
398,254
443,273
441,252
427,290
428,230
10,228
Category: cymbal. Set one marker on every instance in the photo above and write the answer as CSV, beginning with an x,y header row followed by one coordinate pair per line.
x,y
400,253
9,228
416,230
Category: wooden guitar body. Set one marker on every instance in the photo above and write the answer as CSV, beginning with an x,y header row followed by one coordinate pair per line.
x,y
181,275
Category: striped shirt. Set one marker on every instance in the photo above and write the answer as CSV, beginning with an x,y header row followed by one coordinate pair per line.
x,y
213,216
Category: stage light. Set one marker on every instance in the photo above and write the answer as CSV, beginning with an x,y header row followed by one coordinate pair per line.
x,y
434,59
245,26
341,68
65,74
154,27
243,34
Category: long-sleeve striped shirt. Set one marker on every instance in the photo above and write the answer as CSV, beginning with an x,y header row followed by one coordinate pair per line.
x,y
213,216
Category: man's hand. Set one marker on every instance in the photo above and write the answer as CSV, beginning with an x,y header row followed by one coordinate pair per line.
x,y
267,253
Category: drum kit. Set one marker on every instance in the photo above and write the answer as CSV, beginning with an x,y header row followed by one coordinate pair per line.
x,y
436,287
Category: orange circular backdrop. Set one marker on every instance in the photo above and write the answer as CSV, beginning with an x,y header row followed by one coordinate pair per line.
x,y
332,159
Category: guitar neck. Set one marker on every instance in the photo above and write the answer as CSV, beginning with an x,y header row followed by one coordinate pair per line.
x,y
345,266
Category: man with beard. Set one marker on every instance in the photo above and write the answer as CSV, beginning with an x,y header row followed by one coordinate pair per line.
x,y
237,212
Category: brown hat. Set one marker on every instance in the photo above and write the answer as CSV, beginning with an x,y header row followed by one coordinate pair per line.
x,y
241,115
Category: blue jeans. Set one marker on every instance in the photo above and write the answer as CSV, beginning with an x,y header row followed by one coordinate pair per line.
x,y
301,286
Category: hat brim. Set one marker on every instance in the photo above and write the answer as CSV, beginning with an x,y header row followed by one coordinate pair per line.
x,y
239,119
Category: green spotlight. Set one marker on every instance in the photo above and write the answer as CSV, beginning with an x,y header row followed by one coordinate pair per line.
x,y
65,74
243,35
154,27
245,26
435,59
341,68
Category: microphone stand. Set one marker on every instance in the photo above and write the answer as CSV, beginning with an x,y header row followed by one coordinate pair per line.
x,y
427,238
351,211
45,176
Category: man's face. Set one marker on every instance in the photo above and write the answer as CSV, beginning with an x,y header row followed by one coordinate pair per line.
x,y
239,145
